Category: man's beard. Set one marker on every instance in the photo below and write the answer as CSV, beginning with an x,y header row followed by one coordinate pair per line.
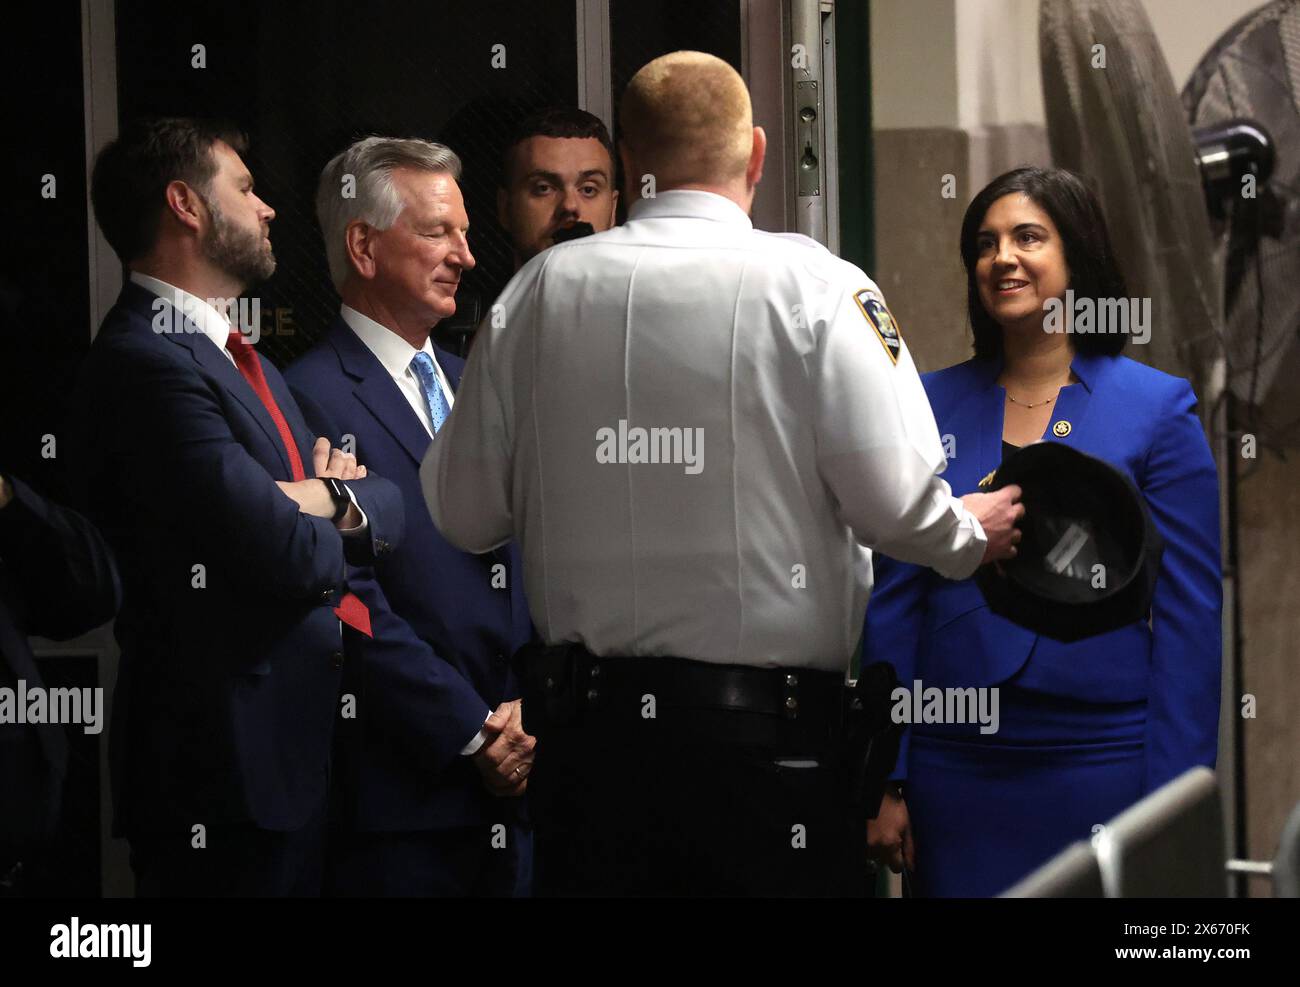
x,y
240,253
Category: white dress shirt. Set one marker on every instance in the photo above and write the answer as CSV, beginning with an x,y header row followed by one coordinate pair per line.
x,y
817,441
396,354
215,325
212,323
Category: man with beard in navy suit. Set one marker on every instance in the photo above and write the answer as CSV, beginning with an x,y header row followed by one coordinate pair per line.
x,y
193,459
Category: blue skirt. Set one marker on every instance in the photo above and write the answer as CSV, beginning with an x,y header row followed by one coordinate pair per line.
x,y
988,809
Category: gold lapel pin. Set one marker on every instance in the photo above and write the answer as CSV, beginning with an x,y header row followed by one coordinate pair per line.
x,y
1061,429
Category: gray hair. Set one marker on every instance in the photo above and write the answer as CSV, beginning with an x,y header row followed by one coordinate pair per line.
x,y
358,184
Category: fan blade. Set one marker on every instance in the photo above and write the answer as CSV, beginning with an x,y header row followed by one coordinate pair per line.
x,y
1253,71
1114,116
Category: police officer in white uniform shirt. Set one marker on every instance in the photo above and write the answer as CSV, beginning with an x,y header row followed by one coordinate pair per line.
x,y
697,431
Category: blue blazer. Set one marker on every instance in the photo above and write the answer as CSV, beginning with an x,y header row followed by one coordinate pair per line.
x,y
439,660
231,651
941,631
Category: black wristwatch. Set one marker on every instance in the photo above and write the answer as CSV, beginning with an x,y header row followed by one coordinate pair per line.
x,y
338,494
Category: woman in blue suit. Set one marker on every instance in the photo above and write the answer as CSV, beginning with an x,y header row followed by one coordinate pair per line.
x,y
1088,728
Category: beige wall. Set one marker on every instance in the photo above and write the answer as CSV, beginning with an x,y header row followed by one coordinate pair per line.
x,y
939,108
1187,28
913,63
998,81
956,90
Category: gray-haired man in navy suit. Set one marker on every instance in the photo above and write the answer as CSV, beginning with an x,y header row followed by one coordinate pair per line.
x,y
433,768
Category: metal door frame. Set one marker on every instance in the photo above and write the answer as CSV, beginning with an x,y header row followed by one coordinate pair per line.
x,y
99,93
768,31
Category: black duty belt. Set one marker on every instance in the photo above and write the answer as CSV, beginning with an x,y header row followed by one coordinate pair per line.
x,y
571,682
679,683
565,686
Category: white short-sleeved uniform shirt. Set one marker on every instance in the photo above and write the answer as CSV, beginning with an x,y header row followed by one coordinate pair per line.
x,y
695,430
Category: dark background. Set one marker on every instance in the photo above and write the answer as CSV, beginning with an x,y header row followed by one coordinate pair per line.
x,y
44,277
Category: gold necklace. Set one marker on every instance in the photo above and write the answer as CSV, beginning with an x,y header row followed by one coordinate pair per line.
x,y
1034,404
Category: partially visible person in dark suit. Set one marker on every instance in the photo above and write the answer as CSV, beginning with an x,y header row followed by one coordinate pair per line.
x,y
195,461
558,171
1086,728
432,770
57,580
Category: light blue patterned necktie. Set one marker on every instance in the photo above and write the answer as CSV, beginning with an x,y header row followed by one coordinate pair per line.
x,y
422,364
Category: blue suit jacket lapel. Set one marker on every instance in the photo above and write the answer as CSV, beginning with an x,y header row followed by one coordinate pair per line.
x,y
298,427
377,391
1075,401
1072,407
214,362
984,407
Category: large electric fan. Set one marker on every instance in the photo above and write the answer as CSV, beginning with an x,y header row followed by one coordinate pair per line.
x,y
1253,72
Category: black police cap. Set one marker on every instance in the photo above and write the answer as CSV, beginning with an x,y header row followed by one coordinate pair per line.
x,y
1089,554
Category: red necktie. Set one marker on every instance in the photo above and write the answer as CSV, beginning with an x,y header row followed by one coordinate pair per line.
x,y
350,610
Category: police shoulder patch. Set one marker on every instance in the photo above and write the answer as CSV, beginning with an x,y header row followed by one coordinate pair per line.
x,y
881,320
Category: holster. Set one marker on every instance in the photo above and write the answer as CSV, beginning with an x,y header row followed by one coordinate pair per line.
x,y
870,738
552,681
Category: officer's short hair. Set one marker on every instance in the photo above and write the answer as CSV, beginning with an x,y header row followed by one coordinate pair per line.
x,y
687,117
555,121
1078,216
357,184
131,175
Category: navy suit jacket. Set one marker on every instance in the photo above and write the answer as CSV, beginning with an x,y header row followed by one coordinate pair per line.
x,y
231,651
942,632
57,579
439,661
